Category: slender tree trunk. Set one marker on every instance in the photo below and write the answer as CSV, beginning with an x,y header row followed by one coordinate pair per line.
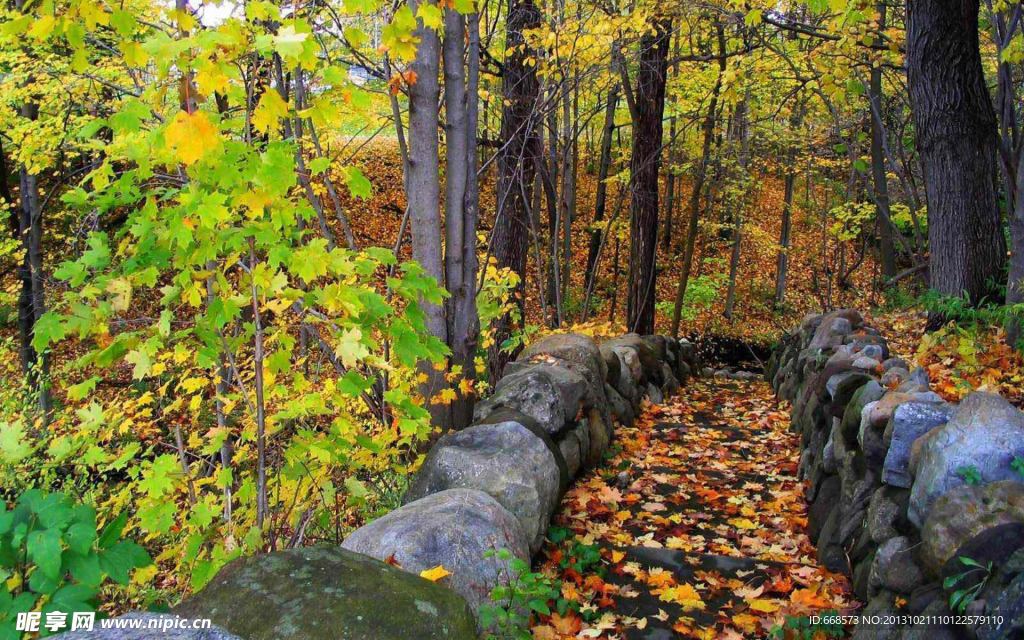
x,y
466,323
517,161
698,186
645,165
956,139
601,196
742,134
423,196
785,240
1015,280
670,179
878,173
460,145
32,299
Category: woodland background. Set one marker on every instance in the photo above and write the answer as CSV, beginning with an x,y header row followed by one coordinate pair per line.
x,y
258,254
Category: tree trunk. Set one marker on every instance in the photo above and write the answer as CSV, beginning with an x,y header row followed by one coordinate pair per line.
x,y
698,186
32,298
461,198
878,173
741,133
601,196
782,263
646,161
423,196
517,161
956,139
1015,280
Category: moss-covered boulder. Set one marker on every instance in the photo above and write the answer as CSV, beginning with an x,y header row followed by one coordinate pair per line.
x,y
328,593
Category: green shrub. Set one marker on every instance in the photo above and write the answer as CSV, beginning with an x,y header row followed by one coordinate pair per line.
x,y
51,558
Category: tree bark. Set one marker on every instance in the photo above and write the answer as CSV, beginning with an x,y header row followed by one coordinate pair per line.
x,y
1015,279
782,263
646,162
741,133
956,140
517,161
601,195
423,195
878,173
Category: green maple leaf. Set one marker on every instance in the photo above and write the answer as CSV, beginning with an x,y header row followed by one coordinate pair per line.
x,y
357,183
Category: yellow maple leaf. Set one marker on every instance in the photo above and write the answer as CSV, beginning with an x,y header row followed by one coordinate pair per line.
x,y
444,396
742,523
764,606
435,574
269,111
191,136
684,595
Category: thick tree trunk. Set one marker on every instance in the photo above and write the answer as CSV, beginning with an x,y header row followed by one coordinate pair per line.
x,y
956,140
601,196
698,186
517,161
423,196
645,164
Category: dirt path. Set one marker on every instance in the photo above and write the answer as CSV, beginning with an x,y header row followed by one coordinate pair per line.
x,y
699,521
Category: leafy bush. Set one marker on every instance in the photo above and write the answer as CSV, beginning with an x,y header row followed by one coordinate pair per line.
x,y
52,558
527,594
968,591
702,291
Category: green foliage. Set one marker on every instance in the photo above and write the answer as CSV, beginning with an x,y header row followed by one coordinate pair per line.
x,y
52,559
851,219
702,291
802,628
1018,465
970,474
526,595
582,558
960,598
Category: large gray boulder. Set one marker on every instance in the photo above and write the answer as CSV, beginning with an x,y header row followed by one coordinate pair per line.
x,y
165,626
985,432
569,347
619,406
893,568
833,328
549,394
964,514
453,529
909,422
646,354
504,460
863,396
1006,613
326,593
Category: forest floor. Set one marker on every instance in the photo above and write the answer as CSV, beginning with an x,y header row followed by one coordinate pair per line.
x,y
700,524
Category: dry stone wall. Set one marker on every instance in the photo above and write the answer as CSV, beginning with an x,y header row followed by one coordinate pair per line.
x,y
494,485
902,485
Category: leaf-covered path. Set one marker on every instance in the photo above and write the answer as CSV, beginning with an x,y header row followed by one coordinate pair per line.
x,y
699,520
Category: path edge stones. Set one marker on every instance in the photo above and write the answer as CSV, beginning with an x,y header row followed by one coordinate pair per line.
x,y
884,461
495,484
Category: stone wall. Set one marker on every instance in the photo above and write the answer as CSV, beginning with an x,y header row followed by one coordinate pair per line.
x,y
901,484
494,485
